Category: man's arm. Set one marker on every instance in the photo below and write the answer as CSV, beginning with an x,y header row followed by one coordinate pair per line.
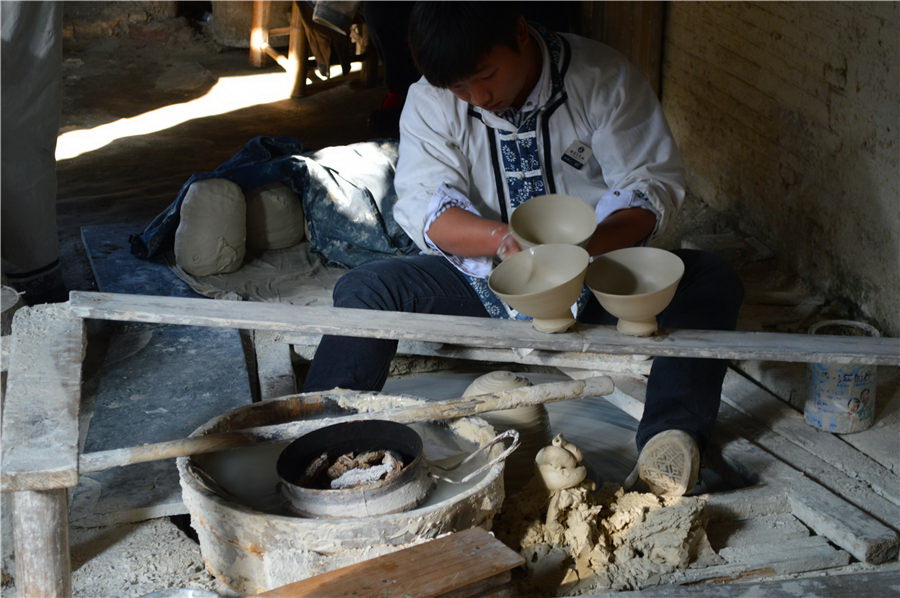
x,y
462,233
623,228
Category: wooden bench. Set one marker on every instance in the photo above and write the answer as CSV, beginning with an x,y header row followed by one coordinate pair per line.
x,y
40,420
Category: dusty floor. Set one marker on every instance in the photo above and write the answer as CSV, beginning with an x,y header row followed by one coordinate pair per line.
x,y
133,178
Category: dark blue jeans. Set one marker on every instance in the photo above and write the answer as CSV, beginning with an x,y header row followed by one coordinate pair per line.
x,y
682,393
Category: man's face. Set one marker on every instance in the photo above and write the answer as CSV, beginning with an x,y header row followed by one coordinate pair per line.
x,y
503,78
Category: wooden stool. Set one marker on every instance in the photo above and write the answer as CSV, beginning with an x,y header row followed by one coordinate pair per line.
x,y
296,63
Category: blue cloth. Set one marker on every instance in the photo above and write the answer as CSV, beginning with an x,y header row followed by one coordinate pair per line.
x,y
347,194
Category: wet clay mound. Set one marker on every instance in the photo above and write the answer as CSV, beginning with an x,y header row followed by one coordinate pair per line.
x,y
580,540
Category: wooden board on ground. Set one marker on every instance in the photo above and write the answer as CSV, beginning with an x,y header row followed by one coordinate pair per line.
x,y
850,489
881,442
767,529
875,583
467,563
824,512
472,331
827,514
40,414
156,383
748,397
795,555
174,380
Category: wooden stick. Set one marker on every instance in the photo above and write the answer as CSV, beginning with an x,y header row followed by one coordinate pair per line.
x,y
431,411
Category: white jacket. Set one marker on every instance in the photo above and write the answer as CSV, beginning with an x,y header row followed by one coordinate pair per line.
x,y
603,102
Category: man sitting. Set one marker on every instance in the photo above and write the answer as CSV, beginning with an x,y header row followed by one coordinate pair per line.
x,y
507,111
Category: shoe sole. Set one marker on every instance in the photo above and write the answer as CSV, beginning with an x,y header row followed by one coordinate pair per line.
x,y
670,463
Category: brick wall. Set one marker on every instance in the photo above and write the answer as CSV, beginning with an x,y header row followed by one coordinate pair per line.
x,y
788,116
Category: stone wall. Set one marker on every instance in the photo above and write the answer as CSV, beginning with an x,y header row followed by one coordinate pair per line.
x,y
788,116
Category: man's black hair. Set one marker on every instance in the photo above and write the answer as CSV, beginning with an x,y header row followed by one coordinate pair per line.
x,y
447,39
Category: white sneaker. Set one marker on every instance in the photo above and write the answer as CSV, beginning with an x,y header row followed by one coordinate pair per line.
x,y
670,463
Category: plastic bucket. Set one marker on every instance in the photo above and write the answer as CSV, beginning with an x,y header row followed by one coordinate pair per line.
x,y
841,397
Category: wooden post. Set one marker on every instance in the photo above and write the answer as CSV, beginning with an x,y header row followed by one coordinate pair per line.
x,y
370,61
41,531
273,365
298,53
40,443
259,32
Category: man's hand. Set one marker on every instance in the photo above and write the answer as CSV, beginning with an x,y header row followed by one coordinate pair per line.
x,y
624,228
462,233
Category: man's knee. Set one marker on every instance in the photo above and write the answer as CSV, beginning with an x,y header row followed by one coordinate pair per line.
x,y
373,285
714,273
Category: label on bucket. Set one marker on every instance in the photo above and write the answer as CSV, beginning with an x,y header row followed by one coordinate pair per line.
x,y
841,398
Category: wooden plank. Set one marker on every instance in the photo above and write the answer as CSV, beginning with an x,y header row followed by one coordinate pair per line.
x,y
154,384
40,419
874,583
855,531
850,528
746,503
850,489
746,396
767,529
881,442
826,513
476,331
598,362
434,568
41,531
789,556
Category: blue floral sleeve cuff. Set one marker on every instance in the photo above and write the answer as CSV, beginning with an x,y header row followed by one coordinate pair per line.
x,y
444,198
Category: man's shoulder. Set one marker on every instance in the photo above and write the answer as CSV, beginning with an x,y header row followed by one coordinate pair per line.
x,y
590,52
423,91
430,108
430,101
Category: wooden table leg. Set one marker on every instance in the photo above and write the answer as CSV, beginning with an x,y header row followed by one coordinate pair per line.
x,y
298,53
41,531
259,32
273,365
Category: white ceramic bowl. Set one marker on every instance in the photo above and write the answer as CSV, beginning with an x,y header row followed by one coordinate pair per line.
x,y
542,282
635,284
552,218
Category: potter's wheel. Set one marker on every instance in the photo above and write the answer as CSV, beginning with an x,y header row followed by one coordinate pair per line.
x,y
249,475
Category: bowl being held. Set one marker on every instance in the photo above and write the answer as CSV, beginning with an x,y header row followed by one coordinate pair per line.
x,y
553,218
635,284
542,282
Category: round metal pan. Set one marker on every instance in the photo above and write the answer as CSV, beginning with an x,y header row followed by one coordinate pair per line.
x,y
307,496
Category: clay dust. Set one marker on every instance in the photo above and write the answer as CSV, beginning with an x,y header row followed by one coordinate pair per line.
x,y
581,540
